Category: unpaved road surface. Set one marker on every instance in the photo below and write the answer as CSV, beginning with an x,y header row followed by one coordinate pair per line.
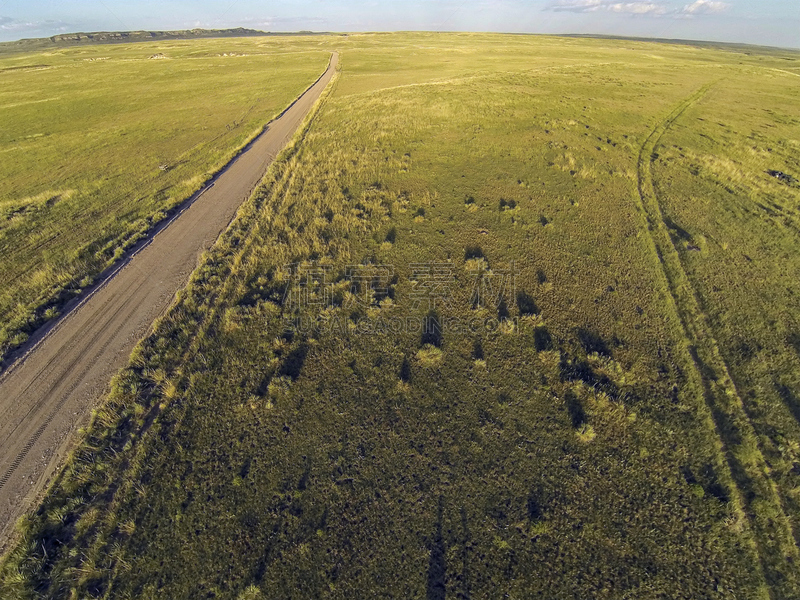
x,y
49,393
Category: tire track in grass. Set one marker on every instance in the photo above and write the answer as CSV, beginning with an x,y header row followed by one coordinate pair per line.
x,y
754,495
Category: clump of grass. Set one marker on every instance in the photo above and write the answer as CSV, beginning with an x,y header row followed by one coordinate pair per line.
x,y
586,433
505,204
252,592
429,355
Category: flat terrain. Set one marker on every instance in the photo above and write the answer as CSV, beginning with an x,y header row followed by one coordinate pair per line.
x,y
100,143
48,393
514,316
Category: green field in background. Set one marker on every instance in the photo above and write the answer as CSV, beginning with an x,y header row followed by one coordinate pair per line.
x,y
99,142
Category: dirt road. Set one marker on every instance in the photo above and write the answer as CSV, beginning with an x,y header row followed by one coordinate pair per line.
x,y
49,393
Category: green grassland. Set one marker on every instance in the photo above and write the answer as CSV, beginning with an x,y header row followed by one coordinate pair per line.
x,y
98,143
629,431
739,251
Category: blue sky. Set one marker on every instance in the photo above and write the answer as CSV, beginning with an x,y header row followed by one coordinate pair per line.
x,y
769,22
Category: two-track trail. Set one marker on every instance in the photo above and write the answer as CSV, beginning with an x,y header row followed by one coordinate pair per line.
x,y
48,393
755,498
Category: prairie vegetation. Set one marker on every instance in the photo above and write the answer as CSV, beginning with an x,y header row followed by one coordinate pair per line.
x,y
99,143
738,252
626,426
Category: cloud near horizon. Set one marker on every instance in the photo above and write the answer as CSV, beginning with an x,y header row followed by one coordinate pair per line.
x,y
15,25
267,22
705,7
641,7
582,6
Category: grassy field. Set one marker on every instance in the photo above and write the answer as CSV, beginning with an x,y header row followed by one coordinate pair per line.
x,y
98,143
604,402
732,222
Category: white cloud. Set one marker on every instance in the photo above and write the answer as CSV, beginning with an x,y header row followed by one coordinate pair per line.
x,y
8,24
264,23
641,7
637,8
575,5
632,8
705,7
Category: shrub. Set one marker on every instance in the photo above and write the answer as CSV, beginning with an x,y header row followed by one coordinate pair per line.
x,y
507,204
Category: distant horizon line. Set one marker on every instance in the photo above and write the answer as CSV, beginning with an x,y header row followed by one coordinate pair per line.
x,y
610,36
